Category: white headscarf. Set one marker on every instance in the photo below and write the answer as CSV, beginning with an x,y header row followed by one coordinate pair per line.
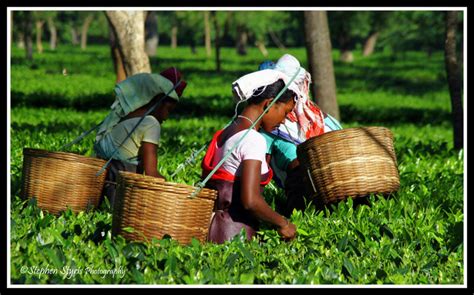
x,y
245,87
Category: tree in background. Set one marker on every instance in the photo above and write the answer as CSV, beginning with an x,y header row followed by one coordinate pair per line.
x,y
207,34
77,23
39,22
181,27
413,30
50,17
319,52
70,21
25,20
258,26
215,21
151,33
454,77
116,58
87,19
378,21
346,28
129,35
191,28
174,30
27,30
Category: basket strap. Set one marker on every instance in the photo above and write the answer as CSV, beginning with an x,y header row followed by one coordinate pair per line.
x,y
200,185
311,180
135,127
192,158
80,137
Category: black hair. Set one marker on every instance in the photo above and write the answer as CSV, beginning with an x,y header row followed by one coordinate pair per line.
x,y
271,91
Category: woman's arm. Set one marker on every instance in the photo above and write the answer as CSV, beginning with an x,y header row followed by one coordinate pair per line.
x,y
253,201
150,159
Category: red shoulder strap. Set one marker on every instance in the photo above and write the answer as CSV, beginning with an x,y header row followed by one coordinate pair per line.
x,y
222,174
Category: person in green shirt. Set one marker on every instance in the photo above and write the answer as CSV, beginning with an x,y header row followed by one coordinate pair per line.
x,y
305,121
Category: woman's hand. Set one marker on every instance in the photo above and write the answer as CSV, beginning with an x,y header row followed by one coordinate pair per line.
x,y
288,231
253,201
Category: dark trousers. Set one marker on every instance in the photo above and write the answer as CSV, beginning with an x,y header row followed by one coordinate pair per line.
x,y
296,190
111,180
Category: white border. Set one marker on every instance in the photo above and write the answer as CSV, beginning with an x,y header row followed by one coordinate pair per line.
x,y
44,286
248,8
8,146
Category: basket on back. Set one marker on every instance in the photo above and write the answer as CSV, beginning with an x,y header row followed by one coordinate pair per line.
x,y
154,208
350,162
59,180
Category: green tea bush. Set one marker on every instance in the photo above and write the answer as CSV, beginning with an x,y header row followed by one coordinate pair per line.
x,y
414,236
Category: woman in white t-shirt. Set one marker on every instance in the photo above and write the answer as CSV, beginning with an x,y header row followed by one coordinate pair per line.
x,y
241,178
137,152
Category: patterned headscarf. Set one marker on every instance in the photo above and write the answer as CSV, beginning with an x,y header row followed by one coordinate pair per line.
x,y
306,119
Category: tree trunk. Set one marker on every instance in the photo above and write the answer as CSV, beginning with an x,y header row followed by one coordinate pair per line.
x,y
192,45
346,52
242,39
275,39
227,24
39,35
27,29
347,56
262,48
454,78
129,29
207,34
74,36
174,36
151,33
116,58
85,29
53,39
216,41
369,44
21,40
319,52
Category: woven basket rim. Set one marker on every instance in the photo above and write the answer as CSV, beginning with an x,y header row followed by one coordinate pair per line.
x,y
324,136
66,156
209,193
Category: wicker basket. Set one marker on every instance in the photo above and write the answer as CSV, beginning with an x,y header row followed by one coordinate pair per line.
x,y
154,208
352,162
59,180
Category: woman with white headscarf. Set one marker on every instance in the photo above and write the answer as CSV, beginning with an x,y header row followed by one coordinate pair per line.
x,y
241,178
306,120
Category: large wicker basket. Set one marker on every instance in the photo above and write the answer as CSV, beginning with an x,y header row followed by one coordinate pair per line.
x,y
59,180
155,208
352,162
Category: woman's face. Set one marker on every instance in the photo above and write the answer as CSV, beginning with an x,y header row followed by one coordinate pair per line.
x,y
163,111
276,115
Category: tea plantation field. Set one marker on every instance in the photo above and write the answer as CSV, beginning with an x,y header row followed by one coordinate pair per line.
x,y
414,237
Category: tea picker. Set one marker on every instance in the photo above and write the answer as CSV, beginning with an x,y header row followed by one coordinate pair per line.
x,y
154,208
47,175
